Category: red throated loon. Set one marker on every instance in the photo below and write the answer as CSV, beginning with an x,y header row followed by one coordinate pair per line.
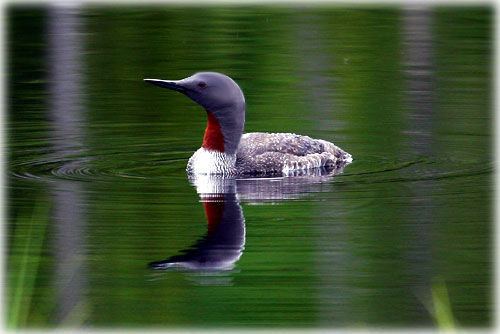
x,y
226,150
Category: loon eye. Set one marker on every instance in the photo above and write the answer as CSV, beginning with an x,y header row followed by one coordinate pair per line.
x,y
202,84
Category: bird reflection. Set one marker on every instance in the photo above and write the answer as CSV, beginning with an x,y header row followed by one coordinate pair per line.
x,y
224,241
223,244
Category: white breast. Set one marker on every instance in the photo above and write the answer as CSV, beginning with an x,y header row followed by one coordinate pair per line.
x,y
206,161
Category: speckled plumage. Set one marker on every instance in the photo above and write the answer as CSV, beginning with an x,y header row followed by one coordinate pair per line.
x,y
261,153
282,153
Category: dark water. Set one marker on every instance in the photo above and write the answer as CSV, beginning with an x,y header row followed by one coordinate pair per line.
x,y
97,188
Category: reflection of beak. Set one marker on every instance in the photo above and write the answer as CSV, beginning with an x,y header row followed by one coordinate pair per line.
x,y
170,84
162,265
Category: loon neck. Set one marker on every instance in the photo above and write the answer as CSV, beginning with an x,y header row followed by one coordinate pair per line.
x,y
224,129
213,139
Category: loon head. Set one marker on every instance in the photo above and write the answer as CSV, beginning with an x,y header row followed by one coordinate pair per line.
x,y
223,101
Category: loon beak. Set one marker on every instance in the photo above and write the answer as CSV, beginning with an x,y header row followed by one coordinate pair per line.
x,y
170,84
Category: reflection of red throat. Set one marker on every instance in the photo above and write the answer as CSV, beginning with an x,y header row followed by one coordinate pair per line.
x,y
213,139
214,210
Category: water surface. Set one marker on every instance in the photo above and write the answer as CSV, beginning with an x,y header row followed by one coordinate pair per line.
x,y
97,187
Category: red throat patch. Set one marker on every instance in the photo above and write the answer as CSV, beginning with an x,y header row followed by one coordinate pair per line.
x,y
214,209
213,139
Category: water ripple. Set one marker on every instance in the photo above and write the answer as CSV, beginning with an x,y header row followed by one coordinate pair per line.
x,y
98,168
379,170
158,165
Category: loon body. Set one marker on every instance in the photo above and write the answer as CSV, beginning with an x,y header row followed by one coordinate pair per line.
x,y
226,150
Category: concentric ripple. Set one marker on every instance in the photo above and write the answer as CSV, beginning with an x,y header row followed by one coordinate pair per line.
x,y
409,169
99,168
157,165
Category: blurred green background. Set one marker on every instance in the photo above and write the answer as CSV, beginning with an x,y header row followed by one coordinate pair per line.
x,y
96,159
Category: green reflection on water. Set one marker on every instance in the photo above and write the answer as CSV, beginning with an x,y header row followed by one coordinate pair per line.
x,y
415,204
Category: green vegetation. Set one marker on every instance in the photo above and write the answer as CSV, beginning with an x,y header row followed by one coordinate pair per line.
x,y
26,252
